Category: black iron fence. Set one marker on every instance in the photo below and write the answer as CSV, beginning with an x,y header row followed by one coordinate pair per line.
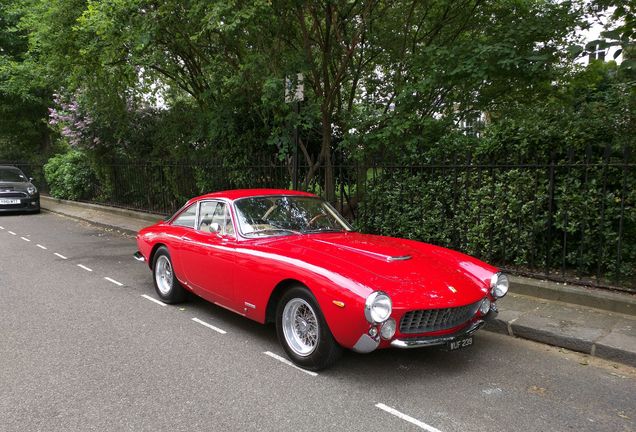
x,y
573,221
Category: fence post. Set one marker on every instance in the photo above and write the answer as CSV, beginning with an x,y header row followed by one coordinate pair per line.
x,y
550,216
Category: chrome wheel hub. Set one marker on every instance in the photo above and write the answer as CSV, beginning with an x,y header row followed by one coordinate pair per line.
x,y
163,275
300,327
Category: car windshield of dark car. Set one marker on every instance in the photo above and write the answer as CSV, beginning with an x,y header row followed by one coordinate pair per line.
x,y
11,175
287,215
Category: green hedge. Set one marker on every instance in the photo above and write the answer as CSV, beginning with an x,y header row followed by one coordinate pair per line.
x,y
506,216
70,176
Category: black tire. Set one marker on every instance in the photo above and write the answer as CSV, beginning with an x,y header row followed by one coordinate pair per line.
x,y
167,286
325,350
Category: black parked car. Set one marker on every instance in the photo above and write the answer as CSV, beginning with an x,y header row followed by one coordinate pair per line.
x,y
17,193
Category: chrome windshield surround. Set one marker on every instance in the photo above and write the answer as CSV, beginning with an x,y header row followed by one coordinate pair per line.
x,y
436,340
330,209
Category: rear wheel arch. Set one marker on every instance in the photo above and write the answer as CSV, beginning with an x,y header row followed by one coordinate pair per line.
x,y
151,257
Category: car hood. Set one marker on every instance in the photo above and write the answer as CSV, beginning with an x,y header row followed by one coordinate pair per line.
x,y
16,186
412,273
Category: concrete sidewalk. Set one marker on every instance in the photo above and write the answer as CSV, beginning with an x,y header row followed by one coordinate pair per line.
x,y
596,322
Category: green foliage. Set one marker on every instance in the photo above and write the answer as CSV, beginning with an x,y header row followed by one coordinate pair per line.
x,y
191,93
24,92
506,215
70,176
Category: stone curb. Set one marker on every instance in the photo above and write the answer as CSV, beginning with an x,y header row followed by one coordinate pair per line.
x,y
612,346
590,297
150,217
92,222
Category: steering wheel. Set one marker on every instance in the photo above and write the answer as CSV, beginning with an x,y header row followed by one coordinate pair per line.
x,y
315,218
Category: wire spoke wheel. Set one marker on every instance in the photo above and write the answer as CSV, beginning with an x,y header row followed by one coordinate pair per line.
x,y
300,327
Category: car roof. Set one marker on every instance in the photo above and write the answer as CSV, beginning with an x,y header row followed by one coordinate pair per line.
x,y
10,167
246,193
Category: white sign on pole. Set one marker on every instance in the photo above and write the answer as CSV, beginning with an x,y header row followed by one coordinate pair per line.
x,y
294,89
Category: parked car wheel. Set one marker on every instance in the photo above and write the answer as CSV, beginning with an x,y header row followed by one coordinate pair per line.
x,y
303,332
166,284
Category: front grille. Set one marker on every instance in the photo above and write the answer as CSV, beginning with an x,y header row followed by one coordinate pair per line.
x,y
428,320
13,195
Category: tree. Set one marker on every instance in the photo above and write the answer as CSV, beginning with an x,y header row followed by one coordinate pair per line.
x,y
24,91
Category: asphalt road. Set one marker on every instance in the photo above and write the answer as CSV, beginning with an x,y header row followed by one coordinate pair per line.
x,y
79,352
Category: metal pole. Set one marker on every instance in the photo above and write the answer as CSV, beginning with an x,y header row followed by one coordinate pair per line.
x,y
296,144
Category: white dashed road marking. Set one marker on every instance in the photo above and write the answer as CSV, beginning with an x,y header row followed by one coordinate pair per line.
x,y
84,267
407,418
1,227
40,246
114,281
147,297
288,363
12,233
210,326
25,239
59,255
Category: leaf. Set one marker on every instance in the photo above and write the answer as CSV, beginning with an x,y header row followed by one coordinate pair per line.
x,y
575,50
537,390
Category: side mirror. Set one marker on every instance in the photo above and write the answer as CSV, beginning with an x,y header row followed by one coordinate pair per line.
x,y
215,228
31,179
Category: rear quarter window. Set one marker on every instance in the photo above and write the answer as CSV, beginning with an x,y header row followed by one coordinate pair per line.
x,y
187,217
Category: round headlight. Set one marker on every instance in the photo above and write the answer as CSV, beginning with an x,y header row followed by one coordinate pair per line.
x,y
498,285
31,190
388,329
484,307
377,307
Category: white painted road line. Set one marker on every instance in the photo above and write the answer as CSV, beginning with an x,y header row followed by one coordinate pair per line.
x,y
407,418
114,281
147,297
84,267
25,239
12,233
210,326
288,363
58,255
1,227
40,246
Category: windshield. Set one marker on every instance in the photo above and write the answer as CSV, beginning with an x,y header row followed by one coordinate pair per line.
x,y
11,175
287,215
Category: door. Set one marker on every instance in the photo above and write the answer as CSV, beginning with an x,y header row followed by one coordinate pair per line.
x,y
208,254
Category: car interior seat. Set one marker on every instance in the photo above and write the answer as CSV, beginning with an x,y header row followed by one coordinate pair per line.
x,y
206,222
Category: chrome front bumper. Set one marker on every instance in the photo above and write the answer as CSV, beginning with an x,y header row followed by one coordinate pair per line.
x,y
437,340
366,343
139,257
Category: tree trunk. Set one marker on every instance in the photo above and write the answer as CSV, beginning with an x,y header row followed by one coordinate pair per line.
x,y
330,187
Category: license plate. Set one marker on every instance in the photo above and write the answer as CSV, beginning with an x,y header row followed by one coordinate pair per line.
x,y
9,201
460,343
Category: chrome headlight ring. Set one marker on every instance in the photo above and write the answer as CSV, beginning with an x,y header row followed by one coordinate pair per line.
x,y
31,190
378,307
499,285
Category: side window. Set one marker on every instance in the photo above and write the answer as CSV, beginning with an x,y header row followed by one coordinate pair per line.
x,y
213,212
187,217
206,215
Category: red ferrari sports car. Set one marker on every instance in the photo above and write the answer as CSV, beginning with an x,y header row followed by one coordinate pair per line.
x,y
288,257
